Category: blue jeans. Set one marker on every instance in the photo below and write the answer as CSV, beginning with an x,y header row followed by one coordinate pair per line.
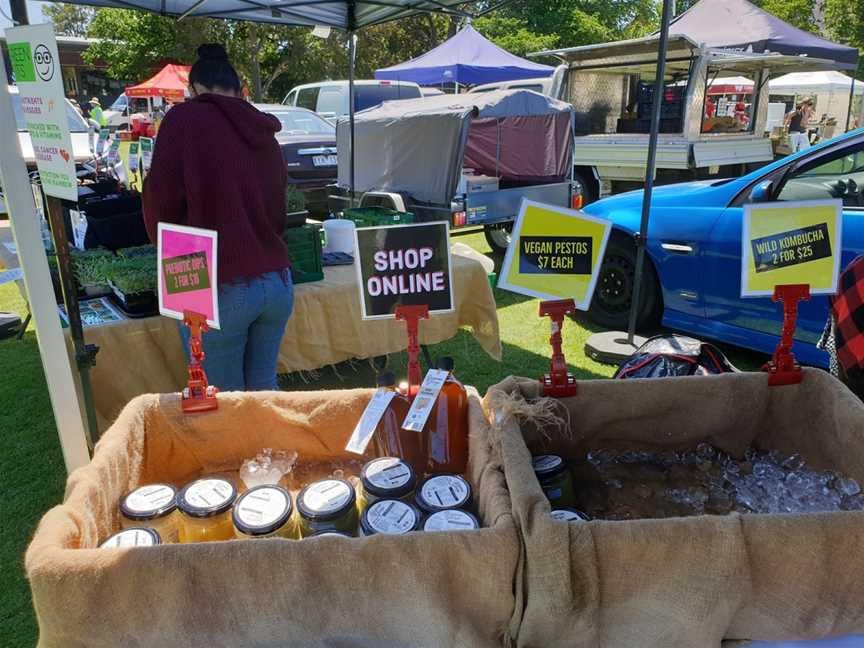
x,y
242,354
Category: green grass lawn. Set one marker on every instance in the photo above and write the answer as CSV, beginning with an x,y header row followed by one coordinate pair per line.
x,y
33,476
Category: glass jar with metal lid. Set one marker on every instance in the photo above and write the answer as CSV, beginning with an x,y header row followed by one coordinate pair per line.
x,y
153,505
327,505
570,515
390,517
452,520
263,512
132,537
443,492
338,534
555,480
386,478
205,506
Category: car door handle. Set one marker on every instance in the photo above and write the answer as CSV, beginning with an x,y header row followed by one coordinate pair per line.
x,y
677,247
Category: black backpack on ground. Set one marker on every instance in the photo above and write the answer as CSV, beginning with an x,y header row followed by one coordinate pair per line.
x,y
674,355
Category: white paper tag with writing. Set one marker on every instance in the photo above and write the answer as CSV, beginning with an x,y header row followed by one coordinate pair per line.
x,y
425,400
365,428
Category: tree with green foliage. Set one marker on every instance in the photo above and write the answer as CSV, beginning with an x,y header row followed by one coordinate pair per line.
x,y
69,20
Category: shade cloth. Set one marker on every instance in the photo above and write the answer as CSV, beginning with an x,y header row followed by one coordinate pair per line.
x,y
416,591
741,25
417,146
466,58
814,82
170,82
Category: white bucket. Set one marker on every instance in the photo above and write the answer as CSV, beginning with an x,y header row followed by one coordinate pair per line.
x,y
340,235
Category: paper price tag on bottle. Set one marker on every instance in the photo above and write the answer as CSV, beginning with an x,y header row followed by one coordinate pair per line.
x,y
423,403
365,427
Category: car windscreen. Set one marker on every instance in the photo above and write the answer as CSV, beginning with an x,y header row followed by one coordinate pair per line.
x,y
76,122
295,122
366,96
119,103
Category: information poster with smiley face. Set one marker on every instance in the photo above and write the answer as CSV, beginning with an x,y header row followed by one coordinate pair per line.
x,y
36,66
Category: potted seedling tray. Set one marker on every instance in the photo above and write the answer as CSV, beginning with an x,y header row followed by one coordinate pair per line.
x,y
133,286
91,269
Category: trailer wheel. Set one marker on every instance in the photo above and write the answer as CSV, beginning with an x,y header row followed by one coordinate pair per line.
x,y
586,184
613,295
498,236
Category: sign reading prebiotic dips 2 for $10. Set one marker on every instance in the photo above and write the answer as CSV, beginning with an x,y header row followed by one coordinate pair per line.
x,y
36,66
791,243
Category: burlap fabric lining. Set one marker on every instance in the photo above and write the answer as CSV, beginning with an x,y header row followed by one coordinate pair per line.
x,y
433,589
686,582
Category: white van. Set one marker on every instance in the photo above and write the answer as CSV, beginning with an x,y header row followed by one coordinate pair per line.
x,y
543,85
330,98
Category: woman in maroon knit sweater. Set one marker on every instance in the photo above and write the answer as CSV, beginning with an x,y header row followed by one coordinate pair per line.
x,y
217,165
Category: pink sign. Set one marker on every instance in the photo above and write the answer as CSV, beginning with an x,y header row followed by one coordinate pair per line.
x,y
187,272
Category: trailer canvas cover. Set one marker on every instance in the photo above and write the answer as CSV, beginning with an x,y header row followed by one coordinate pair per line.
x,y
419,146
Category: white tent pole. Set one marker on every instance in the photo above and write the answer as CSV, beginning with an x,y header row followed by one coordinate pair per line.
x,y
351,113
40,290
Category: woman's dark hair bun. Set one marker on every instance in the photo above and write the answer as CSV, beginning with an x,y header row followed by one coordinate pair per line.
x,y
212,52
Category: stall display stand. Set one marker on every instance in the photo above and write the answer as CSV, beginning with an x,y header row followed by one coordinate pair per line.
x,y
85,354
198,395
783,369
412,316
558,382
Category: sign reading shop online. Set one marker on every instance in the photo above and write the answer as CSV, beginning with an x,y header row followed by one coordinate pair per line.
x,y
404,265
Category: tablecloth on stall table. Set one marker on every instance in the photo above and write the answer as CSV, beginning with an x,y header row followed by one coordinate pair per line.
x,y
687,582
146,355
419,590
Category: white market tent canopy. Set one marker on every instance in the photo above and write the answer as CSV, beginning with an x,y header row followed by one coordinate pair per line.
x,y
814,83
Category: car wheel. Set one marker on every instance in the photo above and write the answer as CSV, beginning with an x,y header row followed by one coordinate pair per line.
x,y
585,184
613,294
498,236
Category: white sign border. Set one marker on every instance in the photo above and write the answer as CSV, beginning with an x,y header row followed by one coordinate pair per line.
x,y
747,253
517,229
358,265
214,284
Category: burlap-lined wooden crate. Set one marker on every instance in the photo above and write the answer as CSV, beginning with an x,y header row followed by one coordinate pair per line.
x,y
687,582
423,589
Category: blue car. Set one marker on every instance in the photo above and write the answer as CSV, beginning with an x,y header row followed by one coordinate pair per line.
x,y
693,278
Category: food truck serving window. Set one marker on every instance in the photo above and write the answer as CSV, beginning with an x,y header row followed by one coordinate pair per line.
x,y
728,105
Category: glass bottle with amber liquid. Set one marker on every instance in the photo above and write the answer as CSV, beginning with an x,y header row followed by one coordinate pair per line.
x,y
390,440
446,431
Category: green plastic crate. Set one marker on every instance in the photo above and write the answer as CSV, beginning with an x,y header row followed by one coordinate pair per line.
x,y
304,250
377,216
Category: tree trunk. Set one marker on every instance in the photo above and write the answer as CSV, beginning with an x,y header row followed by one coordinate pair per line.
x,y
254,50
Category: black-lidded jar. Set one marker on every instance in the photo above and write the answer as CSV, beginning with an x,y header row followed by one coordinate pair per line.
x,y
153,506
443,492
327,505
569,515
390,517
451,520
555,479
132,537
386,478
263,512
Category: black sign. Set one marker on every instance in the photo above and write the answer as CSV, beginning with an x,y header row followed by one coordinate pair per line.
x,y
570,255
404,265
791,248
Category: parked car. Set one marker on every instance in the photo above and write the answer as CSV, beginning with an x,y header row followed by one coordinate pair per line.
x,y
542,85
694,249
330,98
77,127
308,145
118,113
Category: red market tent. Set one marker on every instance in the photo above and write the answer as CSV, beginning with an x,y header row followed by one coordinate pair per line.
x,y
170,82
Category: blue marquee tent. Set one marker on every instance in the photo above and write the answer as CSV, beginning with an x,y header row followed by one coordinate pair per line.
x,y
468,58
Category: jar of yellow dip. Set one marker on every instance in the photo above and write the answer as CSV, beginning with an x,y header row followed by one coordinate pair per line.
x,y
154,506
390,517
205,507
263,512
133,537
443,492
385,478
452,520
327,505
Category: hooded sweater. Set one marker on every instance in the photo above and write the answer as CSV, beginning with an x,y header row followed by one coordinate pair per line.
x,y
217,165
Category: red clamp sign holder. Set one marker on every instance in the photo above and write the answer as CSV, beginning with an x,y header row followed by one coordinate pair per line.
x,y
412,316
198,395
783,369
558,382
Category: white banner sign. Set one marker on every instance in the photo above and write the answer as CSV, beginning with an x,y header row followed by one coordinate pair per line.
x,y
36,66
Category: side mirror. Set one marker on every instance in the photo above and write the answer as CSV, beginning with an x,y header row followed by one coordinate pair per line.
x,y
762,192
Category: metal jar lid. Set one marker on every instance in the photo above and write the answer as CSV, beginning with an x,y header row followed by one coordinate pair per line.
x,y
451,520
390,517
149,502
133,537
326,500
548,465
388,478
443,492
262,510
206,497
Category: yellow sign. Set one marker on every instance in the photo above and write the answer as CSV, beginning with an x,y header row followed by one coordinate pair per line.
x,y
791,243
555,253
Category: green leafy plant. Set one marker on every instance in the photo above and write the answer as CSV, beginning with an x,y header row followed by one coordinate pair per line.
x,y
139,251
294,200
134,275
91,267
